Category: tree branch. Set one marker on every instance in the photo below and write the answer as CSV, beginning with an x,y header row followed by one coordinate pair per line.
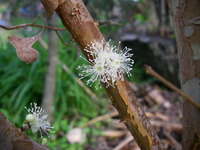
x,y
150,71
84,30
12,138
32,25
48,27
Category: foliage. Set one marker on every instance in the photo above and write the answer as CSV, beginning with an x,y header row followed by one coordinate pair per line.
x,y
22,84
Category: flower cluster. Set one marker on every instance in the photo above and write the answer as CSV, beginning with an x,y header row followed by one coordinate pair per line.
x,y
108,63
36,120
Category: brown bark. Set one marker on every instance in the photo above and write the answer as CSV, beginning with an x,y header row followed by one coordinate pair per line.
x,y
185,15
84,30
12,138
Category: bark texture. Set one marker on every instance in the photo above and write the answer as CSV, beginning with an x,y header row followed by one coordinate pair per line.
x,y
49,86
186,19
84,30
12,138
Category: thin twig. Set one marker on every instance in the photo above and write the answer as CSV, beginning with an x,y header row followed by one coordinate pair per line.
x,y
150,71
34,20
87,90
65,68
103,117
43,43
63,42
47,27
109,133
100,118
30,24
105,23
156,123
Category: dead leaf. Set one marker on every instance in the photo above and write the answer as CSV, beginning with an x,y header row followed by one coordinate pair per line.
x,y
23,47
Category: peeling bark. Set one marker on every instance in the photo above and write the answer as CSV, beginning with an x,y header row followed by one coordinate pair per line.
x,y
84,30
186,16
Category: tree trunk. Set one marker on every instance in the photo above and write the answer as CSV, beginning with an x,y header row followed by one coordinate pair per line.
x,y
186,19
49,85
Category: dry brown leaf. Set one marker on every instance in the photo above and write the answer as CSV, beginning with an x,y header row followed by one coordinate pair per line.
x,y
23,47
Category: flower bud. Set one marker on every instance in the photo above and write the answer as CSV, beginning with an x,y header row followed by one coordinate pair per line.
x,y
30,118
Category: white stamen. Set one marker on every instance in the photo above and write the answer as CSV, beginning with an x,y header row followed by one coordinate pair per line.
x,y
108,63
37,121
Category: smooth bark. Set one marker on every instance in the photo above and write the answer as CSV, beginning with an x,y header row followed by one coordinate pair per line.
x,y
49,86
186,20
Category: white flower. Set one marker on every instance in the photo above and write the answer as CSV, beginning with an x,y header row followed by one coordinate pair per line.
x,y
36,120
107,63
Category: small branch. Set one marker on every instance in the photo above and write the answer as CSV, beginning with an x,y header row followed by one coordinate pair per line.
x,y
105,23
34,20
43,43
78,81
47,27
150,71
100,118
30,24
67,44
110,22
66,69
170,126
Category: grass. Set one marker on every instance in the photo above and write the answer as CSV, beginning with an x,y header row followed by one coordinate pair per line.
x,y
23,83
